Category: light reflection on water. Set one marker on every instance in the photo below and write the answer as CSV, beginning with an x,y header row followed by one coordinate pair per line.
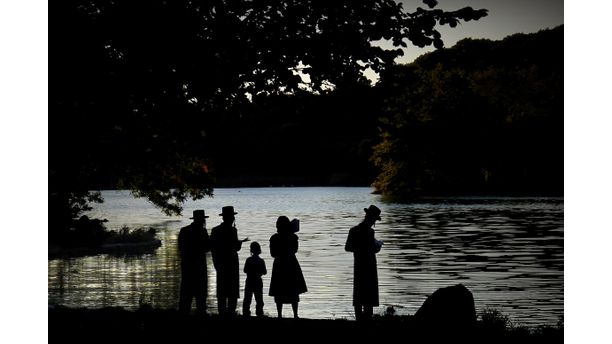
x,y
507,251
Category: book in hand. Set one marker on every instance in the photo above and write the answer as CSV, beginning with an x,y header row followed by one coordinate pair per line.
x,y
378,244
295,225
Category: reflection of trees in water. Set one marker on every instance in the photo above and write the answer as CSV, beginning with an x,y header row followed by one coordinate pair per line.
x,y
59,275
125,280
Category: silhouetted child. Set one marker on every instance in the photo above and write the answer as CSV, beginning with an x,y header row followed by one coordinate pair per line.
x,y
254,267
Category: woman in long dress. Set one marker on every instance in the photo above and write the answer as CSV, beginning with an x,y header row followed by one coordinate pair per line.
x,y
287,281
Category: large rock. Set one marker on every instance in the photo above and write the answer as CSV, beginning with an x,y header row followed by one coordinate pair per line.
x,y
448,308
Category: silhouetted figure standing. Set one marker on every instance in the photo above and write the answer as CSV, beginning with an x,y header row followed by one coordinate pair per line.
x,y
254,268
287,282
193,243
225,246
364,246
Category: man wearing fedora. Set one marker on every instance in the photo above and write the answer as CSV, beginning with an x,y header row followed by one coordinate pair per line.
x,y
363,244
193,243
225,246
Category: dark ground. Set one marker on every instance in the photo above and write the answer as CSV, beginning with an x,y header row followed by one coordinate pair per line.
x,y
116,325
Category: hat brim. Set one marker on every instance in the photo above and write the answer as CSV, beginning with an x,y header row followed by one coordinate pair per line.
x,y
228,214
192,218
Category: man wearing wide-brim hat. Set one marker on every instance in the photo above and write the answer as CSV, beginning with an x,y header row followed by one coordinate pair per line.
x,y
225,246
193,243
363,244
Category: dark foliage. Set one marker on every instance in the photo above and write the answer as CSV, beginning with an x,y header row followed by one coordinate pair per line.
x,y
300,139
483,117
144,95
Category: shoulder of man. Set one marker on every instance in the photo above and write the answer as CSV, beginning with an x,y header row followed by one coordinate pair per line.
x,y
360,228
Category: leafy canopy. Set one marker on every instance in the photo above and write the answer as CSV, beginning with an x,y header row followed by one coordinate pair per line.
x,y
127,76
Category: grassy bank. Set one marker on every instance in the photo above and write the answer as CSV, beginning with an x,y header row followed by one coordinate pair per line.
x,y
146,325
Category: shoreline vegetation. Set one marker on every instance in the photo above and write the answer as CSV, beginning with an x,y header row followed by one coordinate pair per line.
x,y
160,325
90,237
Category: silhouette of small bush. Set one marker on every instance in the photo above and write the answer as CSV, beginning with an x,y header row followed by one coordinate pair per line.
x,y
495,324
494,320
127,235
389,311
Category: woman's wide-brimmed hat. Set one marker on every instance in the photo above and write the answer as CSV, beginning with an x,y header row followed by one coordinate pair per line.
x,y
198,214
229,210
372,211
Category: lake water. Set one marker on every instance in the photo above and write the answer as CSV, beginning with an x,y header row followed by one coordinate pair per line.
x,y
507,251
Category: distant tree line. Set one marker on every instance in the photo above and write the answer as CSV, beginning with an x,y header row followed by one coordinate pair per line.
x,y
483,117
301,139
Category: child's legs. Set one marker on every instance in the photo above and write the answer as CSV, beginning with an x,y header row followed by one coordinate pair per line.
x,y
248,296
259,304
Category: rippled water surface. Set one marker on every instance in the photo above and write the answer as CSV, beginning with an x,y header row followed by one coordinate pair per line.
x,y
507,251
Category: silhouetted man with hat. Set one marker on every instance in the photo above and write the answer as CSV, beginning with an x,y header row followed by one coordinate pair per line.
x,y
193,243
363,244
225,246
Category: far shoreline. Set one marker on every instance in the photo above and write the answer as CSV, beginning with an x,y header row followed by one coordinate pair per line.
x,y
428,196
